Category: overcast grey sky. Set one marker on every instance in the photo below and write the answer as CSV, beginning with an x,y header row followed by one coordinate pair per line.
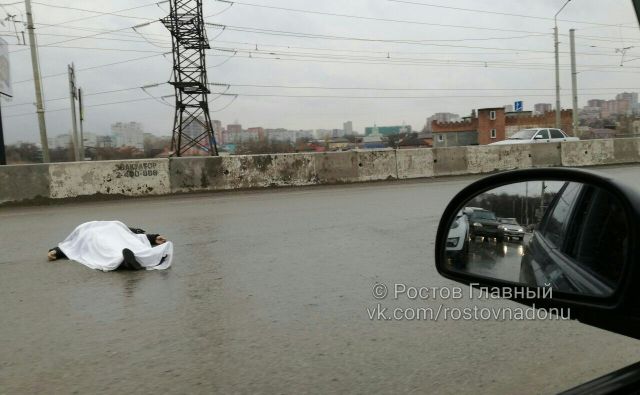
x,y
491,59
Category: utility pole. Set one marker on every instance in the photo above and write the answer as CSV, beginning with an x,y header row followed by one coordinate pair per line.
x,y
81,111
542,201
3,154
35,64
557,44
574,81
72,99
526,203
558,119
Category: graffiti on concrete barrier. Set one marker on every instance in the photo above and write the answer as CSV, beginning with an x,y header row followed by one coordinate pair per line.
x,y
142,169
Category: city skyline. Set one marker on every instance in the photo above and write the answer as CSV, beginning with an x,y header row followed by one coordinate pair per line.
x,y
505,64
442,117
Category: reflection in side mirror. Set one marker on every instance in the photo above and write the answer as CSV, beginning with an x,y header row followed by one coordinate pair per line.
x,y
571,236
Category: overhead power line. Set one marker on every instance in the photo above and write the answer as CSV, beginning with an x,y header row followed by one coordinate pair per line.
x,y
379,97
100,13
505,13
118,39
88,106
407,63
264,48
96,67
390,20
260,45
77,38
41,26
389,59
98,48
380,40
284,86
84,95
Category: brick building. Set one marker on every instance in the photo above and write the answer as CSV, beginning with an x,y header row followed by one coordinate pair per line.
x,y
494,124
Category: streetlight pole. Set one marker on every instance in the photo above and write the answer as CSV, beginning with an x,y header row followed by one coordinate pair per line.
x,y
555,36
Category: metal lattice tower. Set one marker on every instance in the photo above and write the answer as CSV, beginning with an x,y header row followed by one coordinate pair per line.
x,y
189,42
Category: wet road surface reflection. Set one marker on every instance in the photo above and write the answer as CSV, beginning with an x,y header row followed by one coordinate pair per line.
x,y
499,260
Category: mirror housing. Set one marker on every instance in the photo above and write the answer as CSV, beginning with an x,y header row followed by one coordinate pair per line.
x,y
618,312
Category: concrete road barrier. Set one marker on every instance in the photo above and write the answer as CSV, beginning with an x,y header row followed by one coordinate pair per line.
x,y
626,150
545,154
487,159
127,177
587,153
414,163
335,167
24,182
376,165
450,161
145,177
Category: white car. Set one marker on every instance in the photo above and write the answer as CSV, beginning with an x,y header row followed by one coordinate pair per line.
x,y
458,241
537,135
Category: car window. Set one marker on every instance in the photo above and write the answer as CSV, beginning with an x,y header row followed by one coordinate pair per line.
x,y
544,133
525,134
555,227
602,239
556,134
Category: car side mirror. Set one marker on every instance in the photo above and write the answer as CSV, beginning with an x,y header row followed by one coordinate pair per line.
x,y
571,243
538,137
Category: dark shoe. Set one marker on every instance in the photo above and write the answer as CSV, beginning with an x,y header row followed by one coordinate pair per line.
x,y
130,262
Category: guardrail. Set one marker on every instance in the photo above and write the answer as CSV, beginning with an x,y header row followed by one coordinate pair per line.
x,y
25,183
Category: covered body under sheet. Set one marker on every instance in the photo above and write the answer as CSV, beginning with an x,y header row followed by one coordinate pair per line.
x,y
99,244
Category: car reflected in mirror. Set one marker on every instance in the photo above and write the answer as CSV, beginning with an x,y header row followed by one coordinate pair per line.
x,y
571,236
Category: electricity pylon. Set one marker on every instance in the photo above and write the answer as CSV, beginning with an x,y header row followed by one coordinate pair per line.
x,y
189,42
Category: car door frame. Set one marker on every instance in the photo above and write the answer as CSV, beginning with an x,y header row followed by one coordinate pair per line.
x,y
557,139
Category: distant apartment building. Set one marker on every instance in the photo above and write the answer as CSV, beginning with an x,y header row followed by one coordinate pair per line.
x,y
281,135
625,103
232,134
90,139
598,103
304,134
234,128
589,113
610,108
217,131
631,98
491,125
348,128
105,142
324,134
508,107
196,128
255,134
61,141
128,134
387,130
441,117
541,108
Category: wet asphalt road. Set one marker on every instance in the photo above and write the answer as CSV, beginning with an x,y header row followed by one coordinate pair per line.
x,y
497,260
268,294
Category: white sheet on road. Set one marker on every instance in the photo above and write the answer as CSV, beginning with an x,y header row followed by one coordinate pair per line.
x,y
99,245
